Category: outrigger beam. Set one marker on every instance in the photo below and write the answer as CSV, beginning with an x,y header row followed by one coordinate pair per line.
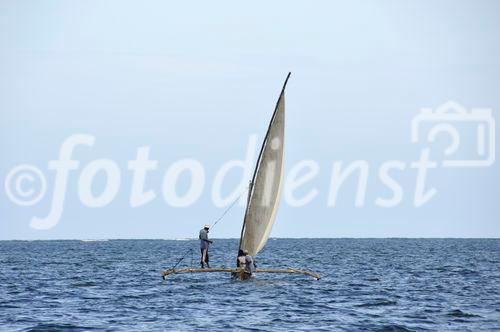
x,y
238,270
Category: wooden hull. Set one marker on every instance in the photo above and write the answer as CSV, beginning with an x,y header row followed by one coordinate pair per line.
x,y
239,273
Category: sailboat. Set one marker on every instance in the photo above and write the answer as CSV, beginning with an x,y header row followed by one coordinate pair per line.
x,y
263,198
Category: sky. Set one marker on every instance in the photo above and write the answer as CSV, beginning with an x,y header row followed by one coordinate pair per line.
x,y
198,81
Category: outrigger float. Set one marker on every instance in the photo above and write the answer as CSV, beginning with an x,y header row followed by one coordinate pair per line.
x,y
239,271
262,201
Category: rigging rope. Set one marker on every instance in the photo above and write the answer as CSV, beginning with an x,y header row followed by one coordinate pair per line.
x,y
229,208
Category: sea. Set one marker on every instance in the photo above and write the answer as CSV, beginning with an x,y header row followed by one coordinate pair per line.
x,y
367,285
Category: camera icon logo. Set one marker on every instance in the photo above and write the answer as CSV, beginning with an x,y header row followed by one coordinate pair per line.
x,y
449,119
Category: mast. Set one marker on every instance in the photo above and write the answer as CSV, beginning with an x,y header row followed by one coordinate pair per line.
x,y
251,186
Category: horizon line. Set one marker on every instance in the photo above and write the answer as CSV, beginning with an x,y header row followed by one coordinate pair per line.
x,y
271,238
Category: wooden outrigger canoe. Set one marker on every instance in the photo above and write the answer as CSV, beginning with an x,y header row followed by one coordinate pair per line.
x,y
263,199
166,273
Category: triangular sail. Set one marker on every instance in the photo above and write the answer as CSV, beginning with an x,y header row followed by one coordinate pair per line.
x,y
264,194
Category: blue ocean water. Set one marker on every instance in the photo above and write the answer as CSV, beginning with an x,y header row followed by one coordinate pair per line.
x,y
368,284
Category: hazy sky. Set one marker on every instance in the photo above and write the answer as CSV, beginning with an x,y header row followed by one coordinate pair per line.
x,y
196,79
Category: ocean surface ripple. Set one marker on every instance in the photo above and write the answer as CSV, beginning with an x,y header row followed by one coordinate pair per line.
x,y
368,285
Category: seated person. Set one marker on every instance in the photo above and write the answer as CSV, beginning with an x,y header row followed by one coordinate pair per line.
x,y
250,265
240,262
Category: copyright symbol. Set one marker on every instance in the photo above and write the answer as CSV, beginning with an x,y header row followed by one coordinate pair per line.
x,y
25,185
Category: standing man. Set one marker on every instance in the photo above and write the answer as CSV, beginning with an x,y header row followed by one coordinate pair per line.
x,y
204,243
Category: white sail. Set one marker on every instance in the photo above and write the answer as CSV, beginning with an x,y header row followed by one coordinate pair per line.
x,y
264,195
